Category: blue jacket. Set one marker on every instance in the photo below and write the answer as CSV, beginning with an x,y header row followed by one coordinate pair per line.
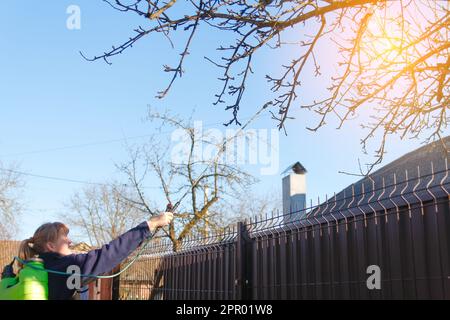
x,y
94,262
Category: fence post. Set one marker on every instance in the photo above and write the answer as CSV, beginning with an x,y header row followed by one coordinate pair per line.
x,y
116,284
243,263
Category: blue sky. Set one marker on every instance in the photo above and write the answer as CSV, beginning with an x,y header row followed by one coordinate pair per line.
x,y
52,98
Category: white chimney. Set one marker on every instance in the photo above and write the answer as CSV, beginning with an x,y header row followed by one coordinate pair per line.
x,y
294,192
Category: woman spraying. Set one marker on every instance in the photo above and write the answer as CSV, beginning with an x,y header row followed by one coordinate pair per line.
x,y
51,243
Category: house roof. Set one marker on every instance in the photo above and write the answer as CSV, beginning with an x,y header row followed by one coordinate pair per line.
x,y
81,247
420,174
296,167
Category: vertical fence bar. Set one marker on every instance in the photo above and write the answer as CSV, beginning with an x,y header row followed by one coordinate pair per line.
x,y
284,265
243,263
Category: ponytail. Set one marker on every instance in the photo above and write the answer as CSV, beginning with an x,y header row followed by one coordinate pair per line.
x,y
26,250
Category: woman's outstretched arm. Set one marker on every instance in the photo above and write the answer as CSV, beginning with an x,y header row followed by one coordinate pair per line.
x,y
104,259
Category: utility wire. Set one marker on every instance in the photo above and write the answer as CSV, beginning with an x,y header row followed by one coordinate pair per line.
x,y
95,143
66,179
61,179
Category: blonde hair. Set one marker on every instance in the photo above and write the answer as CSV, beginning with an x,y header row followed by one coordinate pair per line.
x,y
48,232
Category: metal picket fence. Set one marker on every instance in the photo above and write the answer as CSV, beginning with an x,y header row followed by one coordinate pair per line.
x,y
398,222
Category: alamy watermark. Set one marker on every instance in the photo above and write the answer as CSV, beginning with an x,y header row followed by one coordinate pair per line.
x,y
74,280
234,146
374,280
73,21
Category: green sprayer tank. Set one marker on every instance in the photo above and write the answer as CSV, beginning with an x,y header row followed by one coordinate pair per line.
x,y
30,284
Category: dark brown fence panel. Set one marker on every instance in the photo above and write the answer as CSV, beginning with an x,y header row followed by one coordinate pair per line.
x,y
322,255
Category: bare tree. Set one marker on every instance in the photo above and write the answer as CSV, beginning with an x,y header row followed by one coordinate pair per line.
x,y
10,206
100,213
194,183
393,56
248,205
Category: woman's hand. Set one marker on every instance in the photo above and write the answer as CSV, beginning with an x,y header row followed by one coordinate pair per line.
x,y
160,220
